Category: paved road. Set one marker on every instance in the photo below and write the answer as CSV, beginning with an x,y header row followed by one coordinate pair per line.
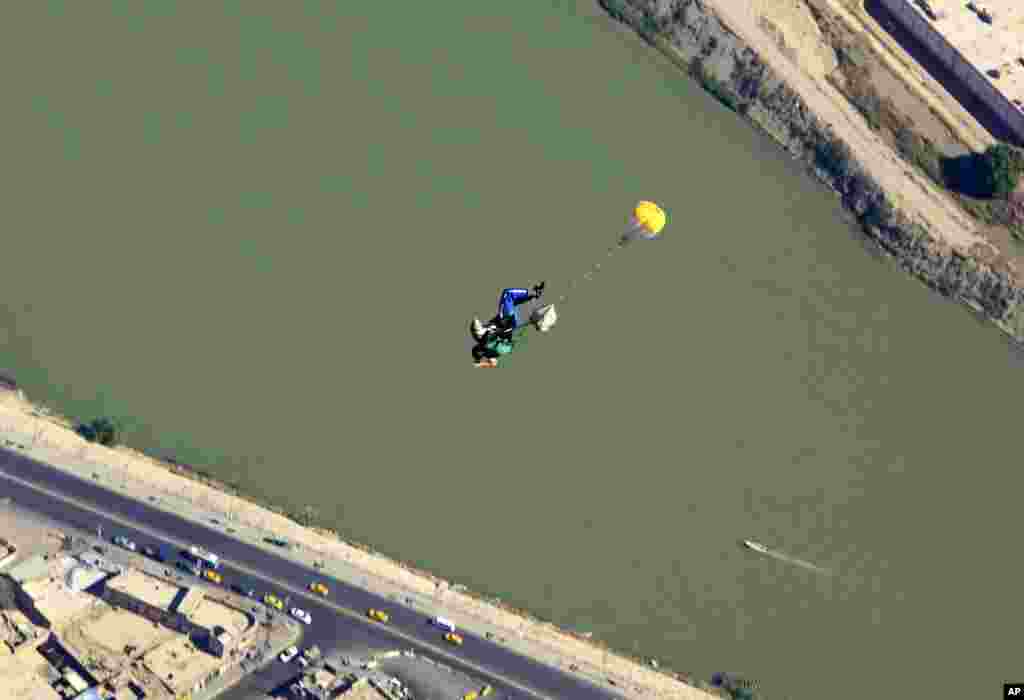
x,y
339,618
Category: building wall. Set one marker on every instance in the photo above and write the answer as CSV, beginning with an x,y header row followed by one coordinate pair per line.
x,y
172,620
28,606
970,77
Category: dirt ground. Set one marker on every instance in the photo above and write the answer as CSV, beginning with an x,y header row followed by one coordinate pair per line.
x,y
30,533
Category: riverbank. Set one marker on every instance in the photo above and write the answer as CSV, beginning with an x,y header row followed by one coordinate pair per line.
x,y
45,437
756,60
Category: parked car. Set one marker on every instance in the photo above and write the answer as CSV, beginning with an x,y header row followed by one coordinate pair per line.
x,y
317,587
300,614
442,622
190,568
212,575
487,690
289,654
378,615
273,601
453,638
242,590
122,541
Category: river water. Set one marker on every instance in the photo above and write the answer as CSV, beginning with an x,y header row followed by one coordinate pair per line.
x,y
255,232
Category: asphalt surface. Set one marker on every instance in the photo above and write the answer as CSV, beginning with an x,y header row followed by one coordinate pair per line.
x,y
330,628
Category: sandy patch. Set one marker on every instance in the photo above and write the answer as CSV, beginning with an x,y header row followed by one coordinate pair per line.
x,y
798,35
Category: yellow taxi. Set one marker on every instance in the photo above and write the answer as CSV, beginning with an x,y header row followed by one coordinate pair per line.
x,y
453,638
273,601
487,690
212,575
378,615
471,695
317,587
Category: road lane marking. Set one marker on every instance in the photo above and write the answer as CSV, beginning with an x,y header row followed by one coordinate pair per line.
x,y
299,592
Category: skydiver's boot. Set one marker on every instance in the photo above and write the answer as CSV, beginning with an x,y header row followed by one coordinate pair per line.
x,y
476,329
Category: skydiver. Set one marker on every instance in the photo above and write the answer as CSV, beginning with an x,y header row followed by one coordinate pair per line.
x,y
497,337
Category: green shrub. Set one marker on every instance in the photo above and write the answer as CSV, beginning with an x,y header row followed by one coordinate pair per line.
x,y
1001,169
834,157
718,89
102,430
921,152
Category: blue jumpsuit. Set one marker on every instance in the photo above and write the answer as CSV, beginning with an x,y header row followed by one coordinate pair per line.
x,y
509,300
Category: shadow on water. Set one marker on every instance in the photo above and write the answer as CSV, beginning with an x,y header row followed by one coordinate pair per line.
x,y
989,119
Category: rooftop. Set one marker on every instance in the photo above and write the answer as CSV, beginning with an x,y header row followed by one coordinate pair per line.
x,y
156,592
55,601
179,664
362,690
986,46
193,598
115,629
210,613
22,676
35,567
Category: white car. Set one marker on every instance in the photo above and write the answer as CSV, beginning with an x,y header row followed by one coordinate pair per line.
x,y
289,654
300,614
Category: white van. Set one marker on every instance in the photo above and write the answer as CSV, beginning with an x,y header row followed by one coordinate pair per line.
x,y
446,625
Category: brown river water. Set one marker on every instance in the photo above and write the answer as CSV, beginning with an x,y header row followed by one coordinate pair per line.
x,y
255,233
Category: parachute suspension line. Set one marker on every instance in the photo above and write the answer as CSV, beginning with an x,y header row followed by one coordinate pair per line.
x,y
587,276
645,224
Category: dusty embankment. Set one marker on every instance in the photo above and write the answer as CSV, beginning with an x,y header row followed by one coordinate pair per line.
x,y
767,62
138,475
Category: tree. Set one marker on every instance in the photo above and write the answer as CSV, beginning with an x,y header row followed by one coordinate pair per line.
x,y
1001,169
102,430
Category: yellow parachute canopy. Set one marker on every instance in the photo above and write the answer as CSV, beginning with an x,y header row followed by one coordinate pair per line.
x,y
649,216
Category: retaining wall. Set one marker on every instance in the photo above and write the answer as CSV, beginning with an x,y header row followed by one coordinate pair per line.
x,y
973,80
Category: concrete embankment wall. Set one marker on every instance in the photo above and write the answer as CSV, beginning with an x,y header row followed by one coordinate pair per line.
x,y
1010,120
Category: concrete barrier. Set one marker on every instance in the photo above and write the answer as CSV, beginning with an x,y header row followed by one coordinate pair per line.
x,y
1010,120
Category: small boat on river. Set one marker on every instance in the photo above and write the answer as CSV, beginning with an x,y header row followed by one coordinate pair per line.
x,y
755,546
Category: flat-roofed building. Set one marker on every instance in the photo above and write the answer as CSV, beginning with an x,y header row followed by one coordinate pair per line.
x,y
213,614
30,569
995,45
180,666
147,589
152,598
48,600
23,676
